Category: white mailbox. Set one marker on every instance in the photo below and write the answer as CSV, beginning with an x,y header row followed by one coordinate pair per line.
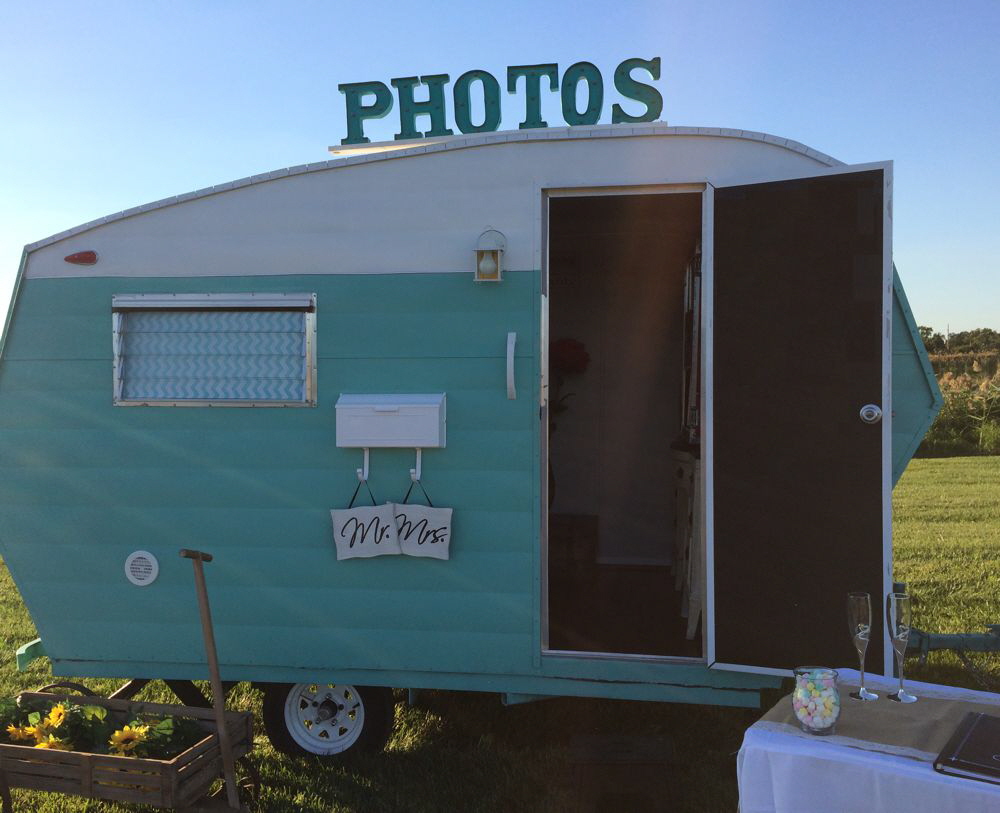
x,y
391,421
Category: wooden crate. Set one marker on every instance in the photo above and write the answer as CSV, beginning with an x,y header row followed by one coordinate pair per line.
x,y
177,782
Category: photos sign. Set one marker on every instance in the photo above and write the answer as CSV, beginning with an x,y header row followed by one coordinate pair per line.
x,y
374,100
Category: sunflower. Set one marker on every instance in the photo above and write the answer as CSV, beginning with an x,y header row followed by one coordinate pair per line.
x,y
54,743
127,738
17,732
39,732
56,716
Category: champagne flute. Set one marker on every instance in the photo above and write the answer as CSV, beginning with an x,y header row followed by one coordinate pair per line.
x,y
859,620
899,629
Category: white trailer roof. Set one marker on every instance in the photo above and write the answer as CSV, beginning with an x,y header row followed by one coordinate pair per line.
x,y
375,213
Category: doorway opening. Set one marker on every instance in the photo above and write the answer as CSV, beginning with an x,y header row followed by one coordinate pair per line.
x,y
622,424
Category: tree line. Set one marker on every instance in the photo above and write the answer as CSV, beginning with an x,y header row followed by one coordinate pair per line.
x,y
980,340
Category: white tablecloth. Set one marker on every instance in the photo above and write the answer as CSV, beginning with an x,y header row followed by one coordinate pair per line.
x,y
783,771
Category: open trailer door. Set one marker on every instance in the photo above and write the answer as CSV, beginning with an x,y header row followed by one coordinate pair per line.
x,y
798,480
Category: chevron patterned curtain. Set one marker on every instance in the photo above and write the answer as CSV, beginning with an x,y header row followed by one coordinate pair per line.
x,y
214,355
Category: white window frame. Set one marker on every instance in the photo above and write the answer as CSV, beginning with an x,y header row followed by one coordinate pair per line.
x,y
121,304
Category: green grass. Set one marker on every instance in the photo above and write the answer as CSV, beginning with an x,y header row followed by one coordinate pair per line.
x,y
946,527
465,752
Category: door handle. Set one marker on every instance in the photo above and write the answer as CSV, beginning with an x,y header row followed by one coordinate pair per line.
x,y
871,413
511,388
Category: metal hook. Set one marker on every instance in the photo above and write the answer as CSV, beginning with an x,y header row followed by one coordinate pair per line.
x,y
363,472
415,473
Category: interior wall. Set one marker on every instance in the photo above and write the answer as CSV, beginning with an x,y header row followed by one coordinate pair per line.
x,y
616,280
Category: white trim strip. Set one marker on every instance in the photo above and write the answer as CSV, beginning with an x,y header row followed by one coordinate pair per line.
x,y
619,190
887,300
753,670
247,301
706,421
620,656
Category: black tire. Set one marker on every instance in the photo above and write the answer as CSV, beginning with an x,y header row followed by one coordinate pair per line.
x,y
292,728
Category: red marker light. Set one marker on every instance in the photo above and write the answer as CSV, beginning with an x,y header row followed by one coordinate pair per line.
x,y
82,258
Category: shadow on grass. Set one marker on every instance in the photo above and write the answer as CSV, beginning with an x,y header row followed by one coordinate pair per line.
x,y
465,751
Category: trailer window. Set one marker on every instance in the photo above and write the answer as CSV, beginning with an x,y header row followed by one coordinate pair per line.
x,y
214,350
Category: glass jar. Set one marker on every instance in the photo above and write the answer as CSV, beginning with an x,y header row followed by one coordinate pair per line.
x,y
816,699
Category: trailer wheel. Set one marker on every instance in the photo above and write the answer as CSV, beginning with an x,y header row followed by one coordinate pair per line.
x,y
326,719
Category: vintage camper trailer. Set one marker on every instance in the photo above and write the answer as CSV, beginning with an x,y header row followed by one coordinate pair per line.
x,y
670,508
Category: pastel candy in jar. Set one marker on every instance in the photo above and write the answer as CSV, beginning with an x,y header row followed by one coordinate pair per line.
x,y
816,699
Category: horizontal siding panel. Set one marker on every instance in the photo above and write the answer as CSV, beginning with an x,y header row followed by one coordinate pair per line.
x,y
457,335
59,336
490,540
421,335
335,294
19,377
291,563
444,375
321,648
402,375
487,449
374,316
398,293
90,405
331,608
239,488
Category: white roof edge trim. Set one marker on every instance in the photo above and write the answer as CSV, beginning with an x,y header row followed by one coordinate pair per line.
x,y
458,142
249,301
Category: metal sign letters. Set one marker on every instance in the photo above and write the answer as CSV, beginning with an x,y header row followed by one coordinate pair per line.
x,y
374,100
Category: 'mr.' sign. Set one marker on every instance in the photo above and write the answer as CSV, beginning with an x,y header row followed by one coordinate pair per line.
x,y
374,100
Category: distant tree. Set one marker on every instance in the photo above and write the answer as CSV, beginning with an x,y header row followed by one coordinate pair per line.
x,y
933,342
980,340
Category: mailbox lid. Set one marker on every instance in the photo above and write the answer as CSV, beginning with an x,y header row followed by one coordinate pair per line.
x,y
408,420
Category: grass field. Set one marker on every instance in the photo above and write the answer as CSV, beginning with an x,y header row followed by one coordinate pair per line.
x,y
946,527
465,752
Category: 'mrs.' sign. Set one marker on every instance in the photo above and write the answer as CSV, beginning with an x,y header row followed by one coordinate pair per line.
x,y
373,100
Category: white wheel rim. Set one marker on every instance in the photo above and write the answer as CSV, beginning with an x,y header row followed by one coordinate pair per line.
x,y
324,718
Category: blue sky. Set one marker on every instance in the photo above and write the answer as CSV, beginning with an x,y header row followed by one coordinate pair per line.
x,y
109,105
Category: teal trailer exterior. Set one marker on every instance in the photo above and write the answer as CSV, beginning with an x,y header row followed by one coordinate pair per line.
x,y
384,243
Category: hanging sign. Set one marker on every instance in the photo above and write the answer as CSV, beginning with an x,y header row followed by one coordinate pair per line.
x,y
423,530
360,532
374,100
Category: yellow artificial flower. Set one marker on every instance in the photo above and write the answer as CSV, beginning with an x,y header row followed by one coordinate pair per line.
x,y
127,738
54,743
56,715
39,732
16,732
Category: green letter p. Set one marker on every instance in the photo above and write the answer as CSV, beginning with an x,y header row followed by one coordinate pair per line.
x,y
357,112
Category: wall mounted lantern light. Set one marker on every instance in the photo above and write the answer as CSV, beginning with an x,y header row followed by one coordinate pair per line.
x,y
489,256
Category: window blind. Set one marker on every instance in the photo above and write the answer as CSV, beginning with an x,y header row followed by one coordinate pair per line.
x,y
252,355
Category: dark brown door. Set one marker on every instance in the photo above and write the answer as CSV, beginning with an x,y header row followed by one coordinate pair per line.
x,y
799,321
